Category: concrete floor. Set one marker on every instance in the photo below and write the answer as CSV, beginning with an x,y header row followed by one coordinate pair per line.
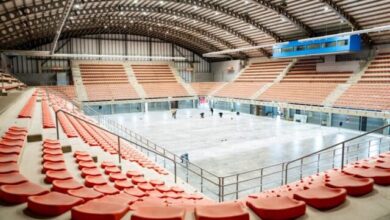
x,y
233,143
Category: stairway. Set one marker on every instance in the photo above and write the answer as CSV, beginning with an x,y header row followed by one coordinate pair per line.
x,y
186,86
78,82
133,80
341,88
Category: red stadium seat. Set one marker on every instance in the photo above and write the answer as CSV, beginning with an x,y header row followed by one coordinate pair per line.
x,y
135,192
6,158
53,158
12,178
9,150
145,186
134,173
11,143
53,166
228,210
354,186
64,185
106,189
117,176
52,175
380,176
84,164
9,167
322,197
18,193
85,193
90,172
277,207
52,204
123,184
158,213
98,210
91,181
108,170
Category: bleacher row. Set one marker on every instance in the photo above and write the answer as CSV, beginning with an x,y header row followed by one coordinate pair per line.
x,y
9,83
108,193
105,82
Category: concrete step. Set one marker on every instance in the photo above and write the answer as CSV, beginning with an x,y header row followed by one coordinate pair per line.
x,y
133,81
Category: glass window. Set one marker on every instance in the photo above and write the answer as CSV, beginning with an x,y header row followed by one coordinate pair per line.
x,y
330,44
313,46
287,49
342,42
300,48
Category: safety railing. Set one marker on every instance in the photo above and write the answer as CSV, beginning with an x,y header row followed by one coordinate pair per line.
x,y
205,181
235,186
335,156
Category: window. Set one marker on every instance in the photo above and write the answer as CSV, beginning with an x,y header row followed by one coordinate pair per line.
x,y
287,49
313,46
342,43
277,50
300,48
330,44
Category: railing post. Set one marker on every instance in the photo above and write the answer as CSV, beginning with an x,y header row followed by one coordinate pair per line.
x,y
318,163
174,169
57,129
286,173
300,170
342,155
237,179
201,180
261,179
119,152
223,189
282,181
219,189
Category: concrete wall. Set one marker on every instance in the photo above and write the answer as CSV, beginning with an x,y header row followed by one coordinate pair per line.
x,y
330,65
203,77
219,69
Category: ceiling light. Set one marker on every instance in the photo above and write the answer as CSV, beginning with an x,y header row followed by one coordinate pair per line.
x,y
326,8
217,13
121,13
77,6
135,2
195,7
175,17
144,13
162,2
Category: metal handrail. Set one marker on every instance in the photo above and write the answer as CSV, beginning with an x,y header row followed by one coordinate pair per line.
x,y
333,146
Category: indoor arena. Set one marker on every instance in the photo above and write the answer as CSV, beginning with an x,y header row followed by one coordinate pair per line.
x,y
195,109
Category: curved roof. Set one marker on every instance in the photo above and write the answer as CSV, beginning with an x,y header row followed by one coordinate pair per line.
x,y
200,25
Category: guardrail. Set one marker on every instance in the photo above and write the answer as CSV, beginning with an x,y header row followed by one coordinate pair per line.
x,y
235,186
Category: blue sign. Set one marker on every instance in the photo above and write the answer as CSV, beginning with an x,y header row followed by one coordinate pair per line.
x,y
331,45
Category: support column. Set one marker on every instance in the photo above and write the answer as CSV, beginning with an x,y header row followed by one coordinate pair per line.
x,y
329,120
386,131
146,107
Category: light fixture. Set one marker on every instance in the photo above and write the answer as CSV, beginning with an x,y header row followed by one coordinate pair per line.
x,y
326,8
77,6
217,13
162,2
283,18
195,7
